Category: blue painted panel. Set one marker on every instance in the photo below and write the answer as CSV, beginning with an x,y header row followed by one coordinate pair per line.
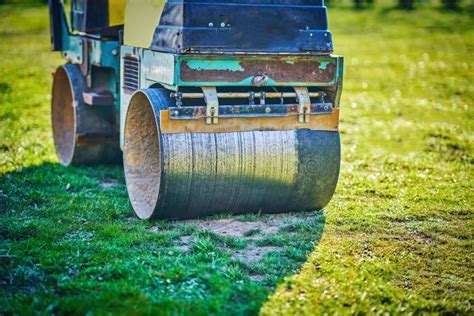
x,y
243,26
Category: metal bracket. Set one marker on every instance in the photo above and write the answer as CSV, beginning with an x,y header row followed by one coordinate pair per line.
x,y
212,104
304,101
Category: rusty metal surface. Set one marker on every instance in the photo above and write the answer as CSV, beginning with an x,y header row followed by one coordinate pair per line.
x,y
247,110
184,175
230,95
142,158
278,70
82,134
326,122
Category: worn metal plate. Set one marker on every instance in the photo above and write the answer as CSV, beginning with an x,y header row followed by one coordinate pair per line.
x,y
327,122
241,70
270,110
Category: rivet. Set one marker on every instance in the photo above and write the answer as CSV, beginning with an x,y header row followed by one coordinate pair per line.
x,y
211,24
222,24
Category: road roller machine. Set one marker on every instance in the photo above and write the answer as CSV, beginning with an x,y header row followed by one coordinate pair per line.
x,y
212,106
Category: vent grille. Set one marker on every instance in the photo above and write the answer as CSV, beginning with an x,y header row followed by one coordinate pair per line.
x,y
131,74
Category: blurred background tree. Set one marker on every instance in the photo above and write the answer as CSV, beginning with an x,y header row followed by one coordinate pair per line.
x,y
361,3
451,4
406,4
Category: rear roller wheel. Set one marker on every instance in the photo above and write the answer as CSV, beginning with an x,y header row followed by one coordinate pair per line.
x,y
82,134
186,175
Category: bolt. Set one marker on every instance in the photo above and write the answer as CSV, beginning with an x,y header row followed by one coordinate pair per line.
x,y
311,34
222,24
176,113
211,24
114,52
267,109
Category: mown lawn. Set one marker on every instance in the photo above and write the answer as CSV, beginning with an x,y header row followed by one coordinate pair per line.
x,y
397,237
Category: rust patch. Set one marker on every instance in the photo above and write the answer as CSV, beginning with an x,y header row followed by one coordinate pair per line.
x,y
236,228
278,70
254,253
63,117
142,158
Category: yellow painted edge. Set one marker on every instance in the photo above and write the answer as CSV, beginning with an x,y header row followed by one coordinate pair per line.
x,y
141,19
116,12
326,122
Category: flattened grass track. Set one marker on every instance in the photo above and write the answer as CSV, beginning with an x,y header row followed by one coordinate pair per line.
x,y
396,238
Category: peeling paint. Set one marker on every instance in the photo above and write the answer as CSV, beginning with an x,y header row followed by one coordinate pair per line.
x,y
223,64
297,71
323,65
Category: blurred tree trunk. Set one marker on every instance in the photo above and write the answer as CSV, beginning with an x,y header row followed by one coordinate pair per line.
x,y
406,4
360,3
451,4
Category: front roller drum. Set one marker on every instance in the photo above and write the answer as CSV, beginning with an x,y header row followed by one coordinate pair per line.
x,y
82,134
187,175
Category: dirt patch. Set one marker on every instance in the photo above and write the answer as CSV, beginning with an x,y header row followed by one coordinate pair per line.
x,y
107,184
257,277
153,229
253,253
250,231
184,243
236,228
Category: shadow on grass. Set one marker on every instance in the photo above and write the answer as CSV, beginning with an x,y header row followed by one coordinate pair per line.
x,y
71,244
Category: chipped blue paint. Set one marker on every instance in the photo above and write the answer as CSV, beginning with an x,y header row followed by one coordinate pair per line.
x,y
221,64
248,82
323,65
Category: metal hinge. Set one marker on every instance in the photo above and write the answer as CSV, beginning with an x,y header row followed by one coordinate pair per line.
x,y
304,101
212,105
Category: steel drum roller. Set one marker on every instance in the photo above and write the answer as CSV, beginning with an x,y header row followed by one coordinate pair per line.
x,y
186,175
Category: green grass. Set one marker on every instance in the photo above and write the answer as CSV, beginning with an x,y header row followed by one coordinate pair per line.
x,y
396,238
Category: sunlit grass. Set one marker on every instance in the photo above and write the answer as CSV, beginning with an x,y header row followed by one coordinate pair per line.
x,y
399,232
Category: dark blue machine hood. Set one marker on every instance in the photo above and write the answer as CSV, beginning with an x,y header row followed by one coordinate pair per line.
x,y
243,26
